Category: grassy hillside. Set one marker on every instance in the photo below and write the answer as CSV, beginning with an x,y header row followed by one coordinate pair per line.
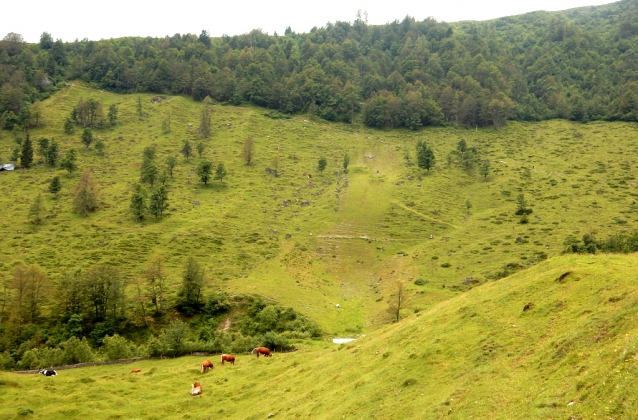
x,y
360,231
557,340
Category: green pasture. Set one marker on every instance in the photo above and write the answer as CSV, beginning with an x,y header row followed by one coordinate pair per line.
x,y
557,340
361,230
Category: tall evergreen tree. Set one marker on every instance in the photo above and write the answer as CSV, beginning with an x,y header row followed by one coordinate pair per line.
x,y
26,156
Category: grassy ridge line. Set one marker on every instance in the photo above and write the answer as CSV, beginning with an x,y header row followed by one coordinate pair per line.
x,y
478,354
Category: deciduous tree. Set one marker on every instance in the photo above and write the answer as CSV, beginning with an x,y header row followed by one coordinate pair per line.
x,y
249,150
204,171
400,299
220,172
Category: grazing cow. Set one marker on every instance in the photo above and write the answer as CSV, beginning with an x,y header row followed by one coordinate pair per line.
x,y
196,389
136,370
49,372
228,358
262,350
206,364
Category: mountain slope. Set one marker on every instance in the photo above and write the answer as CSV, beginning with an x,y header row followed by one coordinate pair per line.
x,y
570,354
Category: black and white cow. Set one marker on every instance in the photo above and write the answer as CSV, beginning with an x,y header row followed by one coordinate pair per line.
x,y
49,372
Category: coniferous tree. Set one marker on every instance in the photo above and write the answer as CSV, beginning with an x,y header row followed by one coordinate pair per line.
x,y
26,155
346,162
190,292
36,210
68,162
87,137
69,128
424,156
100,147
322,163
112,115
138,202
55,186
43,147
51,155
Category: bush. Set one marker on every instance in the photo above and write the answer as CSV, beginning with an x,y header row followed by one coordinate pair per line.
x,y
420,282
116,347
6,361
76,351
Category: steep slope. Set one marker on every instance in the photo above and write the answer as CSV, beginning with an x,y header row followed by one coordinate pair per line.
x,y
557,340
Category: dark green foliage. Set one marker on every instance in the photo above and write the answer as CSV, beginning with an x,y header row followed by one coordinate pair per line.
x,y
200,149
112,115
149,153
321,165
149,172
522,206
158,202
346,162
69,127
87,137
26,155
52,152
204,171
620,243
68,162
424,156
484,170
100,147
55,186
264,317
138,204
401,74
43,146
190,292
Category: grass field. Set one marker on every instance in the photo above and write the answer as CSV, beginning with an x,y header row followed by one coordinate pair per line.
x,y
555,341
360,231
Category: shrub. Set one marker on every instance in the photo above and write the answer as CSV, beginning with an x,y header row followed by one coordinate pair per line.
x,y
420,282
76,351
116,347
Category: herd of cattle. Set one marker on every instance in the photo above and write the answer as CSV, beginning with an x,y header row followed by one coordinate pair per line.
x,y
196,388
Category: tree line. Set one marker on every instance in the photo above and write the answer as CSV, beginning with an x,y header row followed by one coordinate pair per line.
x,y
87,314
579,64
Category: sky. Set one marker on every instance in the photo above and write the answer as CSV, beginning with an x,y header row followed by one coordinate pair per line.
x,y
72,19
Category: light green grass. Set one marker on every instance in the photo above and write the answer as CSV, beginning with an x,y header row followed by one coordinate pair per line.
x,y
362,223
478,354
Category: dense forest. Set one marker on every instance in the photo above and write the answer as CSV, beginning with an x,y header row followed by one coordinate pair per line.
x,y
580,64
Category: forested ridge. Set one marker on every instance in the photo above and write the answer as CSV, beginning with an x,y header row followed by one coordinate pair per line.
x,y
579,64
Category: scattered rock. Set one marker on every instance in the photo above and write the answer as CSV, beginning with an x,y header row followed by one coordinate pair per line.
x,y
271,415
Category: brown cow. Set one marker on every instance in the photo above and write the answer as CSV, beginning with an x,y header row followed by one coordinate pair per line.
x,y
196,389
262,350
206,364
136,370
228,358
